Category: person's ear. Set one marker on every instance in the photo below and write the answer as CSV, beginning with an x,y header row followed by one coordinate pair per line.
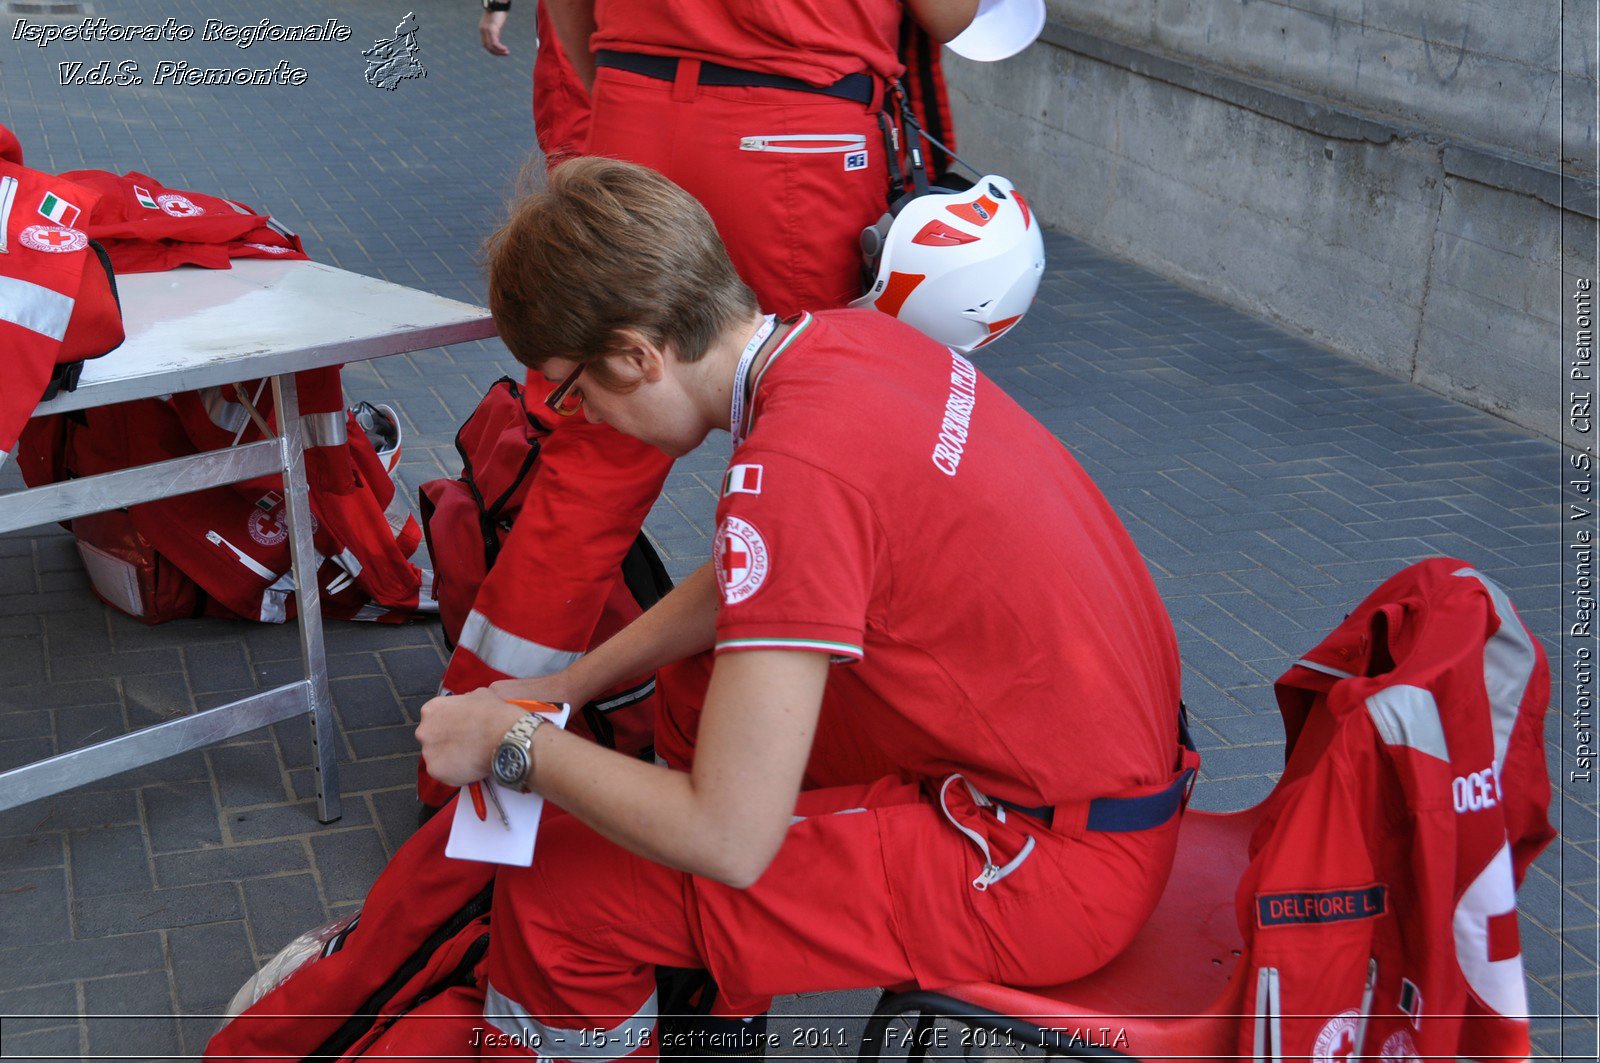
x,y
643,359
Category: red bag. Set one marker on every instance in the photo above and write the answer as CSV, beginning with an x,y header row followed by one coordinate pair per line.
x,y
129,575
467,520
233,541
417,940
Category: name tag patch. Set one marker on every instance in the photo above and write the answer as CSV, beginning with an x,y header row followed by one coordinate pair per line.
x,y
856,160
1320,906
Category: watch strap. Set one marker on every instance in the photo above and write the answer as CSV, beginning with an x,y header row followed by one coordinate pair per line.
x,y
521,734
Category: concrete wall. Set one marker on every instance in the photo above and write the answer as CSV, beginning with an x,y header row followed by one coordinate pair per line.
x,y
1331,165
1488,71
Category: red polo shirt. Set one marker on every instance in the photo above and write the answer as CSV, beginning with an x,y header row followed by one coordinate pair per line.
x,y
892,507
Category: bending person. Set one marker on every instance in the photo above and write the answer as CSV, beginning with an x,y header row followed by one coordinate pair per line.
x,y
768,112
896,538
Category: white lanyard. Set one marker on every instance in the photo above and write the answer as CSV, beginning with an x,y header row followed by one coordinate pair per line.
x,y
742,373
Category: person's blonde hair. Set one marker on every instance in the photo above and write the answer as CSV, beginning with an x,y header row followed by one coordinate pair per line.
x,y
610,245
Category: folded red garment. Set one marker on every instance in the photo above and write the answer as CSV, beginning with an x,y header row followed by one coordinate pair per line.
x,y
147,227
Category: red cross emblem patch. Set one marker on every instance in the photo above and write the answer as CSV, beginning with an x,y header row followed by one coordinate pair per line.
x,y
1336,1041
269,527
54,238
741,559
180,206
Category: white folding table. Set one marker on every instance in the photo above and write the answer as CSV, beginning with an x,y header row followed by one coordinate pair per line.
x,y
193,328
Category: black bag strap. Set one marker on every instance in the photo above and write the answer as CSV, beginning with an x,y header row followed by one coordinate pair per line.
x,y
362,1019
644,573
64,377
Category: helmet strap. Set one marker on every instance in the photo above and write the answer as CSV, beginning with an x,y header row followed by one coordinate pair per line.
x,y
920,173
920,181
891,151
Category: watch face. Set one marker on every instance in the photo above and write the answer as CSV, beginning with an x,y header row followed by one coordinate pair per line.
x,y
510,765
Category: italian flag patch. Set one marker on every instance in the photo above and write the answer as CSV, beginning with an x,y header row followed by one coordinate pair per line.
x,y
58,210
146,200
742,480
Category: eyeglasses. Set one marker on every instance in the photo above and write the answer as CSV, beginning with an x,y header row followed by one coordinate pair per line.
x,y
565,399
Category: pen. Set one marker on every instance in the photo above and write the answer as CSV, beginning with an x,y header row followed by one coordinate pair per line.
x,y
498,807
476,790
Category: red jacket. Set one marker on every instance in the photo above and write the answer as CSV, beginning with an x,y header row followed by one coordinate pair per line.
x,y
57,301
147,227
1379,908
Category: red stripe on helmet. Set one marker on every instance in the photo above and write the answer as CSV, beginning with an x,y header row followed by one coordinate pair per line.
x,y
998,329
937,234
1027,215
898,290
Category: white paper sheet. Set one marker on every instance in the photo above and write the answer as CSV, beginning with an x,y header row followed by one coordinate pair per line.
x,y
488,840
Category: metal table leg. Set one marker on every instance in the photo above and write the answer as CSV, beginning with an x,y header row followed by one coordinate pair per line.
x,y
296,493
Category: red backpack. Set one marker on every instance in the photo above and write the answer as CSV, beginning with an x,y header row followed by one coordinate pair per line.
x,y
403,970
467,519
224,551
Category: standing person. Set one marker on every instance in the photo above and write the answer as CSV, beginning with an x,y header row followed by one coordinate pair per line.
x,y
1026,681
767,111
560,100
769,115
540,603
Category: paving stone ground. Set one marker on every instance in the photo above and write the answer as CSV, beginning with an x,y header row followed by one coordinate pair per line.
x,y
1270,484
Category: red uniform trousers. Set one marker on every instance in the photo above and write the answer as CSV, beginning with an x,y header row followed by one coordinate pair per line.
x,y
560,102
874,886
792,218
841,755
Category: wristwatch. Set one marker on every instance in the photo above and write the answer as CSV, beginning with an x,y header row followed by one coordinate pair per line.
x,y
497,5
513,760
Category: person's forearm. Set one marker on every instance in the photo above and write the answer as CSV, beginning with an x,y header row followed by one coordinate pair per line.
x,y
727,819
648,809
680,625
574,23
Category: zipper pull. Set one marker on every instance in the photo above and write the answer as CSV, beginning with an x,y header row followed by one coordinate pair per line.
x,y
752,143
986,878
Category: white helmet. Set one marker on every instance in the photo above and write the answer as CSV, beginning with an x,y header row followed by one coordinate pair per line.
x,y
962,267
999,30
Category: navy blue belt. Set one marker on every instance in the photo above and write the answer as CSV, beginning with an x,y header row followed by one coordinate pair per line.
x,y
1120,814
1117,815
858,88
